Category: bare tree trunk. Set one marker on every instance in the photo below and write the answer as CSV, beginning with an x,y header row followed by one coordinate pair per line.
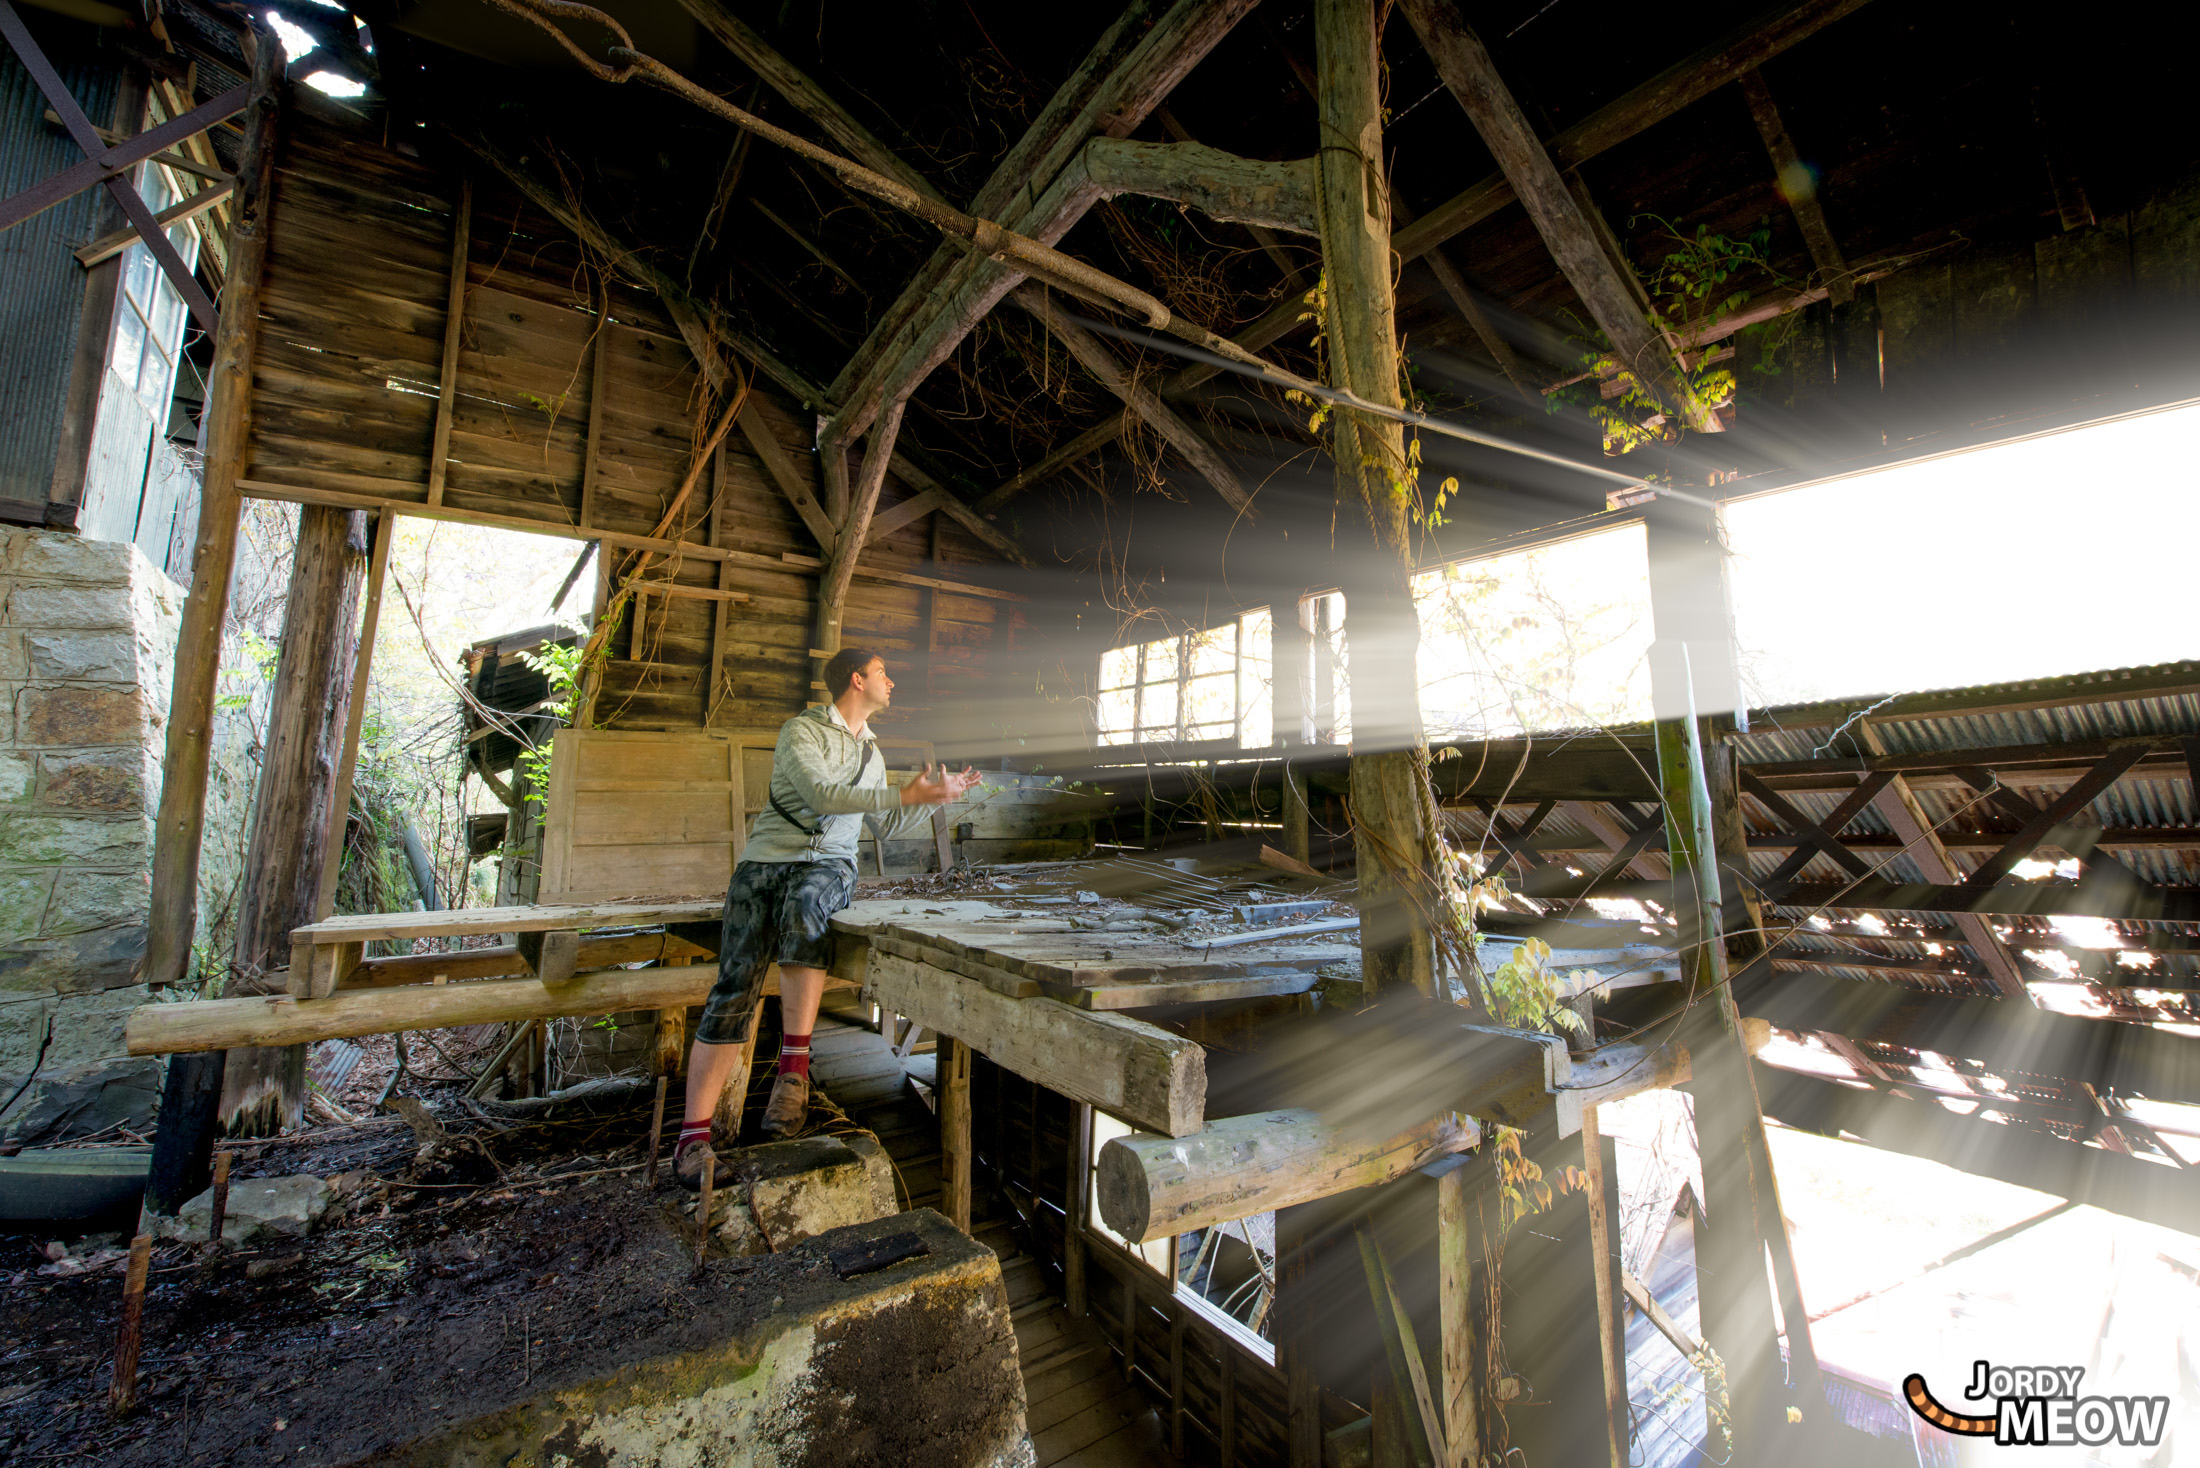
x,y
263,1090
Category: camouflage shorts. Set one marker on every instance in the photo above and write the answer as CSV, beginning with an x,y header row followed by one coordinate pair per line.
x,y
776,912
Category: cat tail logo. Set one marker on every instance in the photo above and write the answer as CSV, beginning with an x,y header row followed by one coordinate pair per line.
x,y
2040,1407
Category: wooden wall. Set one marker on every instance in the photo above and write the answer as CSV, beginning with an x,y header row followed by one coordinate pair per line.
x,y
347,388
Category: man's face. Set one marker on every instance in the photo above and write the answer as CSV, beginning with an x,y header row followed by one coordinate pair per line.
x,y
877,689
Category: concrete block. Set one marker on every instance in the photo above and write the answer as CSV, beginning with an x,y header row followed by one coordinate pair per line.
x,y
23,899
104,780
84,901
72,558
776,1361
57,1106
87,841
106,656
784,1192
68,715
25,1021
17,774
50,606
82,963
260,1209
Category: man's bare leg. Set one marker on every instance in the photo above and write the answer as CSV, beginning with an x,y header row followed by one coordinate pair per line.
x,y
801,990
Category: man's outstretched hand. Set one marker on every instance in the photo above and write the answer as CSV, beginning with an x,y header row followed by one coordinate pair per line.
x,y
938,787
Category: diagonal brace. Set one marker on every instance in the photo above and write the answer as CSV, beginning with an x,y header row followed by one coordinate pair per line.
x,y
125,193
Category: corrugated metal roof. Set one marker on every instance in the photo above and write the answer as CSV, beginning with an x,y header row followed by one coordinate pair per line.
x,y
41,284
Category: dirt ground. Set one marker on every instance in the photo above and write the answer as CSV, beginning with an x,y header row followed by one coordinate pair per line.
x,y
520,1247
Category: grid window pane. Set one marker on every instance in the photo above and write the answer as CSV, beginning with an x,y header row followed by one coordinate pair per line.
x,y
1157,710
1162,659
1212,700
1256,681
1118,668
1214,652
1118,713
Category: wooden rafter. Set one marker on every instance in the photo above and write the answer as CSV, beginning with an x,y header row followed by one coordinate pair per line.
x,y
1798,185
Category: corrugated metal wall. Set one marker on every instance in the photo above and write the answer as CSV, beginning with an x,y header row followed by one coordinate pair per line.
x,y
41,285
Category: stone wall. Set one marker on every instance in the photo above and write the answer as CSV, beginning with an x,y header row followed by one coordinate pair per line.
x,y
87,642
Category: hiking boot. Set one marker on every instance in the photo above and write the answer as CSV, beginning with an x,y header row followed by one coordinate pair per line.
x,y
788,1108
687,1164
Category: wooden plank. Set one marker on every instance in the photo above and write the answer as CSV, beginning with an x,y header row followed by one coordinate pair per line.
x,y
599,403
454,319
1153,1079
226,1024
377,926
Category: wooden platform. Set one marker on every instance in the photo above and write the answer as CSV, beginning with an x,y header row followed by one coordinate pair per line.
x,y
1082,1414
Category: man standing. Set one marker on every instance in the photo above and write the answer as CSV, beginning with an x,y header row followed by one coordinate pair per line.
x,y
798,869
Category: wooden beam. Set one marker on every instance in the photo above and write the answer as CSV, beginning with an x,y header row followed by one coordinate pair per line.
x,y
1224,186
721,620
1471,75
339,813
1810,833
1158,1187
454,318
1922,843
804,94
118,160
1744,48
2004,1037
1798,185
2062,808
2006,899
1105,432
278,1019
907,513
781,470
504,960
1128,73
173,921
107,246
1095,358
785,561
120,187
1150,1078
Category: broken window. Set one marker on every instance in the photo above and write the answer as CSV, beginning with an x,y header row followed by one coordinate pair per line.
x,y
1206,686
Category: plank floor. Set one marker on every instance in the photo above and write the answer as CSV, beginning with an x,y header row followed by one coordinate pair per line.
x,y
1081,1412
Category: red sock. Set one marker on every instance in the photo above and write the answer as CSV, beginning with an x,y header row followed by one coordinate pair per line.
x,y
693,1131
794,1055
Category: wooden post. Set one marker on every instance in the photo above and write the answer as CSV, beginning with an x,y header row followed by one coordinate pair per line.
x,y
264,1090
851,531
1176,1386
183,1146
669,1053
1075,1195
1455,1316
454,318
1604,1246
1691,668
952,1059
122,1388
339,809
227,431
733,1101
1228,1428
1393,814
1302,1390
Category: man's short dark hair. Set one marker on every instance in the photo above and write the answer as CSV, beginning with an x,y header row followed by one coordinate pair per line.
x,y
842,666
